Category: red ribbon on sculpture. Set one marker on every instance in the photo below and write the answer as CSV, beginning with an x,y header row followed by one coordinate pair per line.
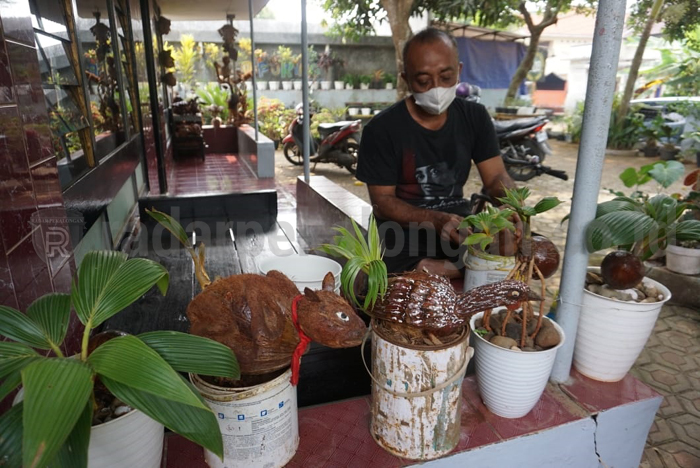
x,y
303,342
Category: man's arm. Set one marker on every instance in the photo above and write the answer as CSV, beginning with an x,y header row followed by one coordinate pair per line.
x,y
386,205
494,177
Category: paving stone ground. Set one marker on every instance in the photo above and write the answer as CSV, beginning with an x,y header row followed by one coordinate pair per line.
x,y
670,362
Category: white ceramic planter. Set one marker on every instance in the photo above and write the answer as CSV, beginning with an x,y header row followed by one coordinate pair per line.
x,y
287,85
298,85
682,260
511,382
416,396
611,334
353,110
314,85
274,85
325,85
389,86
339,85
261,85
364,85
348,86
307,271
485,269
259,424
366,111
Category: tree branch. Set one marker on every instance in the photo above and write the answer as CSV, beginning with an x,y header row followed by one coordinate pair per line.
x,y
526,15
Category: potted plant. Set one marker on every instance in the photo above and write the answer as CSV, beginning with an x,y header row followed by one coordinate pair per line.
x,y
365,80
60,393
327,62
684,256
522,346
349,81
651,135
377,79
286,61
668,151
482,265
260,57
620,305
389,81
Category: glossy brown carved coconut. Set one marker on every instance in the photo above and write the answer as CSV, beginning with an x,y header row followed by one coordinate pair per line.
x,y
546,255
622,270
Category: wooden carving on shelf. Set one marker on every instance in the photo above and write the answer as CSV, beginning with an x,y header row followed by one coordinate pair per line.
x,y
231,78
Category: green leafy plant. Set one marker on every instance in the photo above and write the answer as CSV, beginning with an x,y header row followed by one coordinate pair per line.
x,y
350,79
665,173
186,57
51,426
486,226
361,255
284,54
365,79
213,94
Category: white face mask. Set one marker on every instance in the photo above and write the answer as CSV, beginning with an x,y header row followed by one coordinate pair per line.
x,y
436,100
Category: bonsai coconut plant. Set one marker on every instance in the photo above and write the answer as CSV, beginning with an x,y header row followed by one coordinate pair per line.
x,y
122,376
620,306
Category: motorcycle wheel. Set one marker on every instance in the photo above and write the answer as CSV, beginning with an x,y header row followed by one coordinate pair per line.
x,y
524,173
292,153
353,150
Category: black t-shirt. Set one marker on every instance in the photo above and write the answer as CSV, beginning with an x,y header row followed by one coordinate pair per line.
x,y
428,167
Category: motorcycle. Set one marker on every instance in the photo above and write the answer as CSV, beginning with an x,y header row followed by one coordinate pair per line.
x,y
523,142
339,143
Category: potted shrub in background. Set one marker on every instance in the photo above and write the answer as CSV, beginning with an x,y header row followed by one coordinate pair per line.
x,y
389,81
349,81
668,151
620,305
365,81
377,79
286,62
684,256
260,56
52,423
651,135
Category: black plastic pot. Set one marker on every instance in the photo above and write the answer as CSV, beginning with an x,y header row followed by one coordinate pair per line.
x,y
667,154
650,151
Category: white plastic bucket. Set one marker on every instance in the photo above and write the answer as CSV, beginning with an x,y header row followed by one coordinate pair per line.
x,y
133,439
486,269
682,260
511,382
416,396
307,271
259,424
611,334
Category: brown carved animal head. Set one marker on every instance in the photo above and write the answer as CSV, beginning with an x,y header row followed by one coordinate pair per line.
x,y
508,293
328,318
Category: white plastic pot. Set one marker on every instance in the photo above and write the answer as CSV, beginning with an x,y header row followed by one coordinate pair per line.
x,y
481,269
326,85
511,382
611,334
366,111
133,439
307,271
348,86
314,85
389,86
683,260
261,85
274,85
353,110
130,440
298,85
287,85
259,424
364,85
339,85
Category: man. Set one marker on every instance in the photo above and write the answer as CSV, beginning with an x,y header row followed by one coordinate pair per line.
x,y
416,155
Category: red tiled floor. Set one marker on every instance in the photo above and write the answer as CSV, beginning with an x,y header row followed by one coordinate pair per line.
x,y
217,173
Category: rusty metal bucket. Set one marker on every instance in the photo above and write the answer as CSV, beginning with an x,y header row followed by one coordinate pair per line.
x,y
416,396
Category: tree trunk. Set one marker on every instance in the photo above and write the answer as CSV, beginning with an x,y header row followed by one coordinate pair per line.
x,y
525,64
624,106
398,12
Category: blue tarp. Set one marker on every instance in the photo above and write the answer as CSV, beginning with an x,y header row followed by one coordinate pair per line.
x,y
489,64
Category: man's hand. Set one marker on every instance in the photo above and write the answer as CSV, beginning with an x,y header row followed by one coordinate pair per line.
x,y
450,229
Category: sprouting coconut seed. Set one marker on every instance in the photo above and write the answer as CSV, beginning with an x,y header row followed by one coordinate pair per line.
x,y
546,255
622,270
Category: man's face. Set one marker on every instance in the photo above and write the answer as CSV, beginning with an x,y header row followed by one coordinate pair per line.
x,y
430,65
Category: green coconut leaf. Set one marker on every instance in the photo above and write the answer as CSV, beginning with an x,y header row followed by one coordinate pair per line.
x,y
55,393
11,436
128,360
14,357
197,424
618,228
18,327
108,282
547,204
189,353
52,314
74,452
9,385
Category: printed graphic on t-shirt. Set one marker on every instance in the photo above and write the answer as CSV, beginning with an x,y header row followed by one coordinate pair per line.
x,y
437,181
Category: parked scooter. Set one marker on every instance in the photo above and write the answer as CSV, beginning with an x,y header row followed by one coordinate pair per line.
x,y
339,143
523,142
